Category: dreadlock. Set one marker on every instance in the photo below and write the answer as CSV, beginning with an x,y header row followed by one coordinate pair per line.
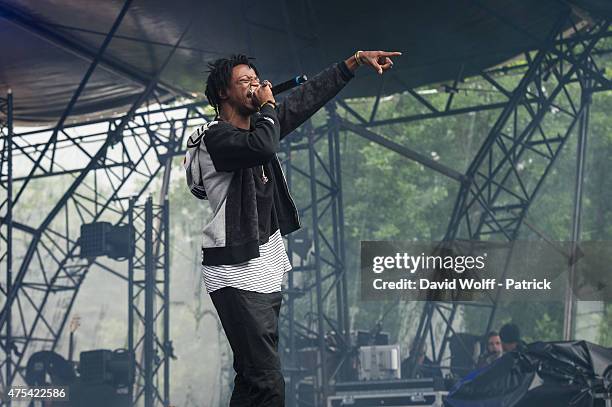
x,y
220,75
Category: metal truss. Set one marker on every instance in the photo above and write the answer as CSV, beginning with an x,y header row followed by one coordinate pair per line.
x,y
111,162
116,170
6,212
316,314
502,181
453,105
521,148
149,303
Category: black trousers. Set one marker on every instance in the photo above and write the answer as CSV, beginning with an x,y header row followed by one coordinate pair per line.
x,y
250,321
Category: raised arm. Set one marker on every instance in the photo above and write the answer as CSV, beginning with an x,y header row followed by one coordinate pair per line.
x,y
305,100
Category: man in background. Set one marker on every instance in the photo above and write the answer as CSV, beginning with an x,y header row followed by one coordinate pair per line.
x,y
494,350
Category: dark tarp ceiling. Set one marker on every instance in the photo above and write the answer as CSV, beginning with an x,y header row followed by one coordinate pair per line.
x,y
46,45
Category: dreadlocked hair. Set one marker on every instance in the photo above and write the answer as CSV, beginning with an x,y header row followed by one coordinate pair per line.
x,y
220,76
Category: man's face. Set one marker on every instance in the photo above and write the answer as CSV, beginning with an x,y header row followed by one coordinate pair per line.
x,y
494,344
237,94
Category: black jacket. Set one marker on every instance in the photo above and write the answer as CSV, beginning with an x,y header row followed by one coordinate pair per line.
x,y
221,158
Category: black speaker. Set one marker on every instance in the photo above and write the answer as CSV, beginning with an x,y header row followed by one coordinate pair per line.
x,y
93,366
105,366
94,239
104,239
119,239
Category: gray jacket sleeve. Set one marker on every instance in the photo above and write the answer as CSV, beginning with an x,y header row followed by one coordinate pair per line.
x,y
305,100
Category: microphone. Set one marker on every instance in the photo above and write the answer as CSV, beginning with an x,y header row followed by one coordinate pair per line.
x,y
290,84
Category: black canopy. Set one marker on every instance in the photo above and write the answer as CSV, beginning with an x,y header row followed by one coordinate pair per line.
x,y
46,46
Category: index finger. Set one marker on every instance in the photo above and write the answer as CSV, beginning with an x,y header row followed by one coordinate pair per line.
x,y
389,53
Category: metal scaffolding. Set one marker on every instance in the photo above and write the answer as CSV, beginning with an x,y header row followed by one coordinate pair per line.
x,y
321,295
131,151
49,279
496,192
149,303
6,214
135,149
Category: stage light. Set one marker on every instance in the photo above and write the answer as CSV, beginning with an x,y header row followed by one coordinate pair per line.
x,y
302,243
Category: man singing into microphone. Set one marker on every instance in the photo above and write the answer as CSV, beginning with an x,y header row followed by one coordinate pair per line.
x,y
232,162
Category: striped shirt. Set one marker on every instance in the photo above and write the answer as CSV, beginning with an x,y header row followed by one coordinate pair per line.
x,y
263,274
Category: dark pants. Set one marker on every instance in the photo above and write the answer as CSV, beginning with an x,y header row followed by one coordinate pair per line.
x,y
250,321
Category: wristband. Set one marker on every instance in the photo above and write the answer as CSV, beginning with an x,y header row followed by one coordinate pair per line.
x,y
266,102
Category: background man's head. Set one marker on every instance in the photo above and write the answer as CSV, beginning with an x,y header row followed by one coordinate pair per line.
x,y
510,336
494,343
228,84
